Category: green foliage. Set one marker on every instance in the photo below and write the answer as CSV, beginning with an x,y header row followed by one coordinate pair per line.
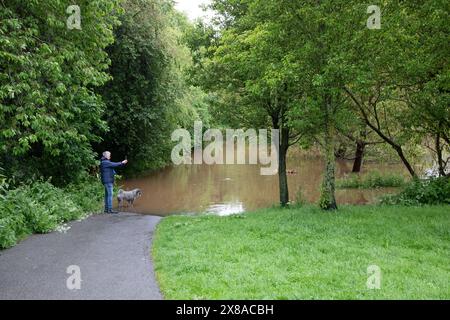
x,y
87,194
422,192
148,97
333,72
47,106
40,207
428,70
3,179
396,75
371,180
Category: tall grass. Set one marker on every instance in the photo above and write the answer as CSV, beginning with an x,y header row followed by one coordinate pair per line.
x,y
40,207
371,180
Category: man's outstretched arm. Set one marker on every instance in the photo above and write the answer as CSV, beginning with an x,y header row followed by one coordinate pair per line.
x,y
110,164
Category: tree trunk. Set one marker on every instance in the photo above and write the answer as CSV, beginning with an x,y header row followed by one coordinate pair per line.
x,y
359,155
405,161
282,175
327,197
395,146
277,122
440,159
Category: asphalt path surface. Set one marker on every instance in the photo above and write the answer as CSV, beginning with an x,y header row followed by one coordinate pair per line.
x,y
110,254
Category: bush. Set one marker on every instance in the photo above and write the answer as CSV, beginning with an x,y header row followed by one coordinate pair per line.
x,y
372,180
86,194
40,207
418,192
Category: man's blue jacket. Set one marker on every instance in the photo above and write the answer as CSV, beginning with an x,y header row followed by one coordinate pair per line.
x,y
107,171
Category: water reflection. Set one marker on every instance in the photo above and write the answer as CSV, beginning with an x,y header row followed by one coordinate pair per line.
x,y
226,209
231,189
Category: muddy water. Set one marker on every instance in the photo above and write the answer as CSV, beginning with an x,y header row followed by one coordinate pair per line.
x,y
228,189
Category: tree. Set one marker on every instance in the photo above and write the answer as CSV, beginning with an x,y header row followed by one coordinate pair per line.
x,y
247,65
399,73
425,78
314,31
354,139
48,107
283,60
148,96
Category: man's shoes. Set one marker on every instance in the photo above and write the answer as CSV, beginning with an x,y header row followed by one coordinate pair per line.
x,y
111,212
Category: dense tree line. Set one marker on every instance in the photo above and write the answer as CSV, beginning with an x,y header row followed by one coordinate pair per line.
x,y
67,94
49,112
149,95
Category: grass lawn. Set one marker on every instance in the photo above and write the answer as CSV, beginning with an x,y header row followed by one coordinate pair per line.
x,y
305,253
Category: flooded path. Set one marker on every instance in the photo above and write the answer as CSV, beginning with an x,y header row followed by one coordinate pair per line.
x,y
228,189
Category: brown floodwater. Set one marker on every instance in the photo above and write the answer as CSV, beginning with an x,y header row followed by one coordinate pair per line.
x,y
229,189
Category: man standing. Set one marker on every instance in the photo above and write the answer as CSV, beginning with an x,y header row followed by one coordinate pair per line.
x,y
107,173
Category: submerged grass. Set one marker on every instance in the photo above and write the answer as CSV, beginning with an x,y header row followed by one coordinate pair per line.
x,y
372,180
305,253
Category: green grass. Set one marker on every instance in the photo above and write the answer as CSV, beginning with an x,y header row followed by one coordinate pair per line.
x,y
306,253
372,180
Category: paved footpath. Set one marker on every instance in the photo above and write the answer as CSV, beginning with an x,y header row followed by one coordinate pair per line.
x,y
111,251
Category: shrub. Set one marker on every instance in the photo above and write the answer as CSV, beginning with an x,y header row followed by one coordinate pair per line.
x,y
372,180
86,194
418,192
8,237
40,207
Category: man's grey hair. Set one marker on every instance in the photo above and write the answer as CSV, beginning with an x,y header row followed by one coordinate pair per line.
x,y
106,154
